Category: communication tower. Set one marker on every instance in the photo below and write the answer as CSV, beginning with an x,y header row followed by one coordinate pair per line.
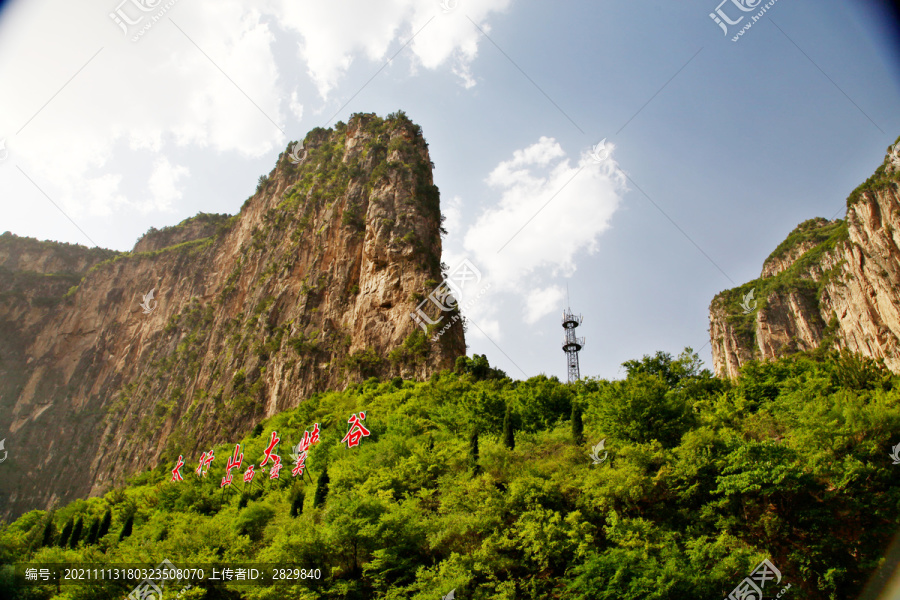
x,y
572,344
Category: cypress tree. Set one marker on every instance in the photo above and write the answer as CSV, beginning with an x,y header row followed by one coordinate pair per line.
x,y
297,505
577,425
126,528
321,488
104,524
473,452
66,532
93,531
76,533
47,538
509,438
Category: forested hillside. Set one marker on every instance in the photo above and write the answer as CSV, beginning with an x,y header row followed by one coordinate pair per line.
x,y
476,483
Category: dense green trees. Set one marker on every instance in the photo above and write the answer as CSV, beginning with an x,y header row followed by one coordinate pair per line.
x,y
127,527
93,531
76,533
297,505
66,533
577,425
47,535
474,453
705,478
321,488
105,523
509,437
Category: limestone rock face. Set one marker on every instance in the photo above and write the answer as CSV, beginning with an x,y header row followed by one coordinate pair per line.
x,y
832,284
309,288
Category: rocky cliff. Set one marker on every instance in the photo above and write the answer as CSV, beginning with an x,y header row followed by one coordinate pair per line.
x,y
309,288
830,284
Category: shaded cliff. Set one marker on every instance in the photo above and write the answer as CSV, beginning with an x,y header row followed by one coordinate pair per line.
x,y
830,284
310,287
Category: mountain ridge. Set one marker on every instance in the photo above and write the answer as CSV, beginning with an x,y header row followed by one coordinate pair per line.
x,y
310,287
829,285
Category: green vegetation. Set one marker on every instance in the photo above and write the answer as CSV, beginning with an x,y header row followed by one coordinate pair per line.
x,y
366,363
413,350
212,223
794,279
509,435
321,489
879,180
705,478
69,255
577,425
816,230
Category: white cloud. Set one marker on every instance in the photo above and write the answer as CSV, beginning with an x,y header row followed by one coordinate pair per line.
x,y
541,302
144,97
163,185
549,211
332,39
103,194
452,209
295,106
204,76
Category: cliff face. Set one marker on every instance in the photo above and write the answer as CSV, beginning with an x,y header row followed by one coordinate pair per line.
x,y
310,287
828,285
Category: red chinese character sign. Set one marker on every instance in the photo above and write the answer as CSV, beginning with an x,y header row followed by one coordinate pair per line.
x,y
270,455
357,430
301,450
234,462
269,451
176,472
299,455
205,461
276,468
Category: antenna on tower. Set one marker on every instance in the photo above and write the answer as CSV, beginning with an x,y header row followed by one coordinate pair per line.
x,y
572,344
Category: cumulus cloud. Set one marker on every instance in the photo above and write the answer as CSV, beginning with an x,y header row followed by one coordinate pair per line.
x,y
540,302
549,211
333,39
295,106
203,76
163,185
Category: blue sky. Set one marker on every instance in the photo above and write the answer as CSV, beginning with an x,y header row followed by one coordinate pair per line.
x,y
717,148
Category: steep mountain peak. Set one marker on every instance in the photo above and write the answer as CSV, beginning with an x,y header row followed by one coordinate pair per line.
x,y
830,284
209,326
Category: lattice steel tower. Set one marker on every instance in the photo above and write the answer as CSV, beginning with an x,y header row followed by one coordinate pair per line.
x,y
572,344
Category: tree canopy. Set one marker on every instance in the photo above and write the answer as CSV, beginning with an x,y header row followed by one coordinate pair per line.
x,y
704,479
